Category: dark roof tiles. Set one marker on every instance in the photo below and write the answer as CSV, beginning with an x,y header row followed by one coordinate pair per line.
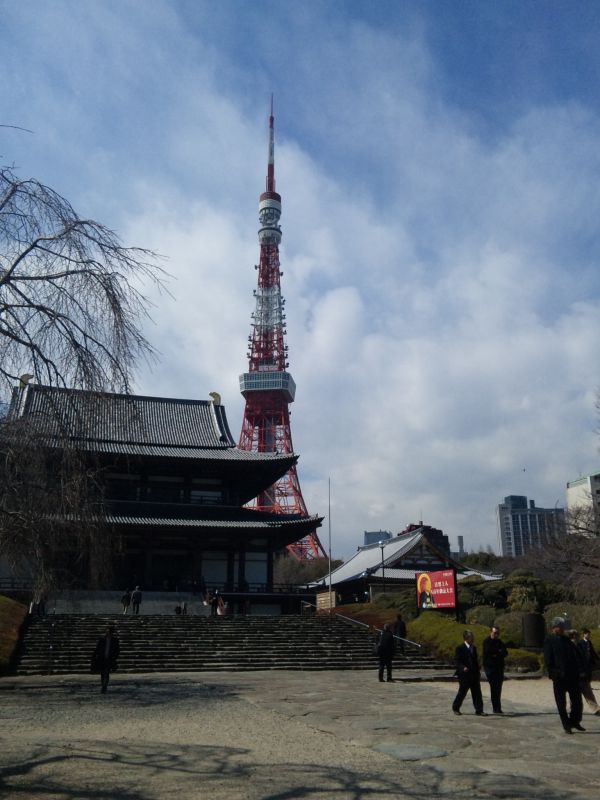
x,y
126,420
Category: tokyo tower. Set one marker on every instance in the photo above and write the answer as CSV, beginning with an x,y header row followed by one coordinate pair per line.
x,y
268,387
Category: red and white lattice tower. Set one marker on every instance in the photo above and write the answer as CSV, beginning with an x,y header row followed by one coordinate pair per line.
x,y
267,386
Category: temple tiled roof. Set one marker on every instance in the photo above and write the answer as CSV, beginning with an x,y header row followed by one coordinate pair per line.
x,y
367,561
260,522
132,425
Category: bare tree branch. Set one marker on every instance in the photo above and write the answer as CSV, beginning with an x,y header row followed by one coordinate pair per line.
x,y
70,314
70,309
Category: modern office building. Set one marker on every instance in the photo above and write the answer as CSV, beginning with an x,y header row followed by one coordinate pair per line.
x,y
522,526
374,537
583,503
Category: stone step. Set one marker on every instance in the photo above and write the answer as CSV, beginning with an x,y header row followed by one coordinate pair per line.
x,y
63,644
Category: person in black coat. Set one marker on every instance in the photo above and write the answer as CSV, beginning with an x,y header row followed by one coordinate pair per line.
x,y
590,661
136,599
385,652
400,632
563,665
104,657
494,653
467,672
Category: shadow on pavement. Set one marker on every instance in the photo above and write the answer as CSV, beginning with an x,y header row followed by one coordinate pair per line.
x,y
99,770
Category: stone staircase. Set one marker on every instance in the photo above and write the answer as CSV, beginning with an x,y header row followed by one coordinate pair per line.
x,y
62,644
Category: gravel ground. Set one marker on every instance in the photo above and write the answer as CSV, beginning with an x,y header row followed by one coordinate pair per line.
x,y
284,735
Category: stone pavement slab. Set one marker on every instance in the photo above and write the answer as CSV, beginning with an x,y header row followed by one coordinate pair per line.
x,y
279,735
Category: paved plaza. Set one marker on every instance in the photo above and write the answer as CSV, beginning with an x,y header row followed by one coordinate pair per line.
x,y
285,735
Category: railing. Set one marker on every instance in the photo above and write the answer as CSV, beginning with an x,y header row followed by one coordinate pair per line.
x,y
16,584
363,624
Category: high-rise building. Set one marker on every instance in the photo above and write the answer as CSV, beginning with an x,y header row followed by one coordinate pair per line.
x,y
583,504
523,526
374,537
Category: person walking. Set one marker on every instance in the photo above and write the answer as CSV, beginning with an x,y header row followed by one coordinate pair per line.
x,y
104,658
563,666
385,652
126,601
494,653
467,672
590,661
400,632
214,603
136,599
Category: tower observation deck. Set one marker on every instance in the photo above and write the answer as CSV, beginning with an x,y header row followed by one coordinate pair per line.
x,y
268,387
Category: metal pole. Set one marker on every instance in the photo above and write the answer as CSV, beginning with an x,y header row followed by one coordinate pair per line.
x,y
382,545
329,526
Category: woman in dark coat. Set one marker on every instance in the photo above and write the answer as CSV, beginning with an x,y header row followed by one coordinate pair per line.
x,y
590,661
104,657
385,652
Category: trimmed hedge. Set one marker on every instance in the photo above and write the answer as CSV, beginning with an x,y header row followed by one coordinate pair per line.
x,y
481,615
12,616
442,635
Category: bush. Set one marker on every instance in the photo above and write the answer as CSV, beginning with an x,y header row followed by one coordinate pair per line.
x,y
441,635
523,661
398,601
12,615
578,616
511,627
481,615
523,598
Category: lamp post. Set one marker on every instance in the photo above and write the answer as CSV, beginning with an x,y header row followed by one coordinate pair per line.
x,y
382,545
329,526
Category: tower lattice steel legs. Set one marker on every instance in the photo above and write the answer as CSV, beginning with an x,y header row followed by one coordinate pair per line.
x,y
267,386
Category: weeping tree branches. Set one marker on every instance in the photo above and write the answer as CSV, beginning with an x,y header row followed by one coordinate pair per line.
x,y
51,510
70,306
71,314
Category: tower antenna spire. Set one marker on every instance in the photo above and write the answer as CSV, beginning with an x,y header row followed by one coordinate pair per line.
x,y
271,162
268,387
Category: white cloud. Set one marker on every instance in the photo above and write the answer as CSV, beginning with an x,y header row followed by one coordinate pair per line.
x,y
442,294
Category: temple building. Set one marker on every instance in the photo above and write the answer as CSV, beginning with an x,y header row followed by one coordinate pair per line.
x,y
393,563
174,487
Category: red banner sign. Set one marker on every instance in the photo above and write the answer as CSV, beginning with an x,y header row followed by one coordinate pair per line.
x,y
435,589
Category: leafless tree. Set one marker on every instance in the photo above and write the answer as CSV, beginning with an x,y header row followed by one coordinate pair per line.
x,y
572,562
288,570
70,302
51,516
71,309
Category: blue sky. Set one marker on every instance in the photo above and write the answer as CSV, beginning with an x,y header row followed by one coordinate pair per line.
x,y
439,164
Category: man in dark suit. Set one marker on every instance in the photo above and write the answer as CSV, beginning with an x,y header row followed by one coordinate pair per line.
x,y
563,666
136,599
494,653
104,658
467,672
400,632
385,651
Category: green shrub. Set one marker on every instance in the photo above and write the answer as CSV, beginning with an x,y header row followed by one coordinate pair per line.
x,y
481,615
523,661
441,635
578,616
12,615
523,598
403,602
511,627
471,580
